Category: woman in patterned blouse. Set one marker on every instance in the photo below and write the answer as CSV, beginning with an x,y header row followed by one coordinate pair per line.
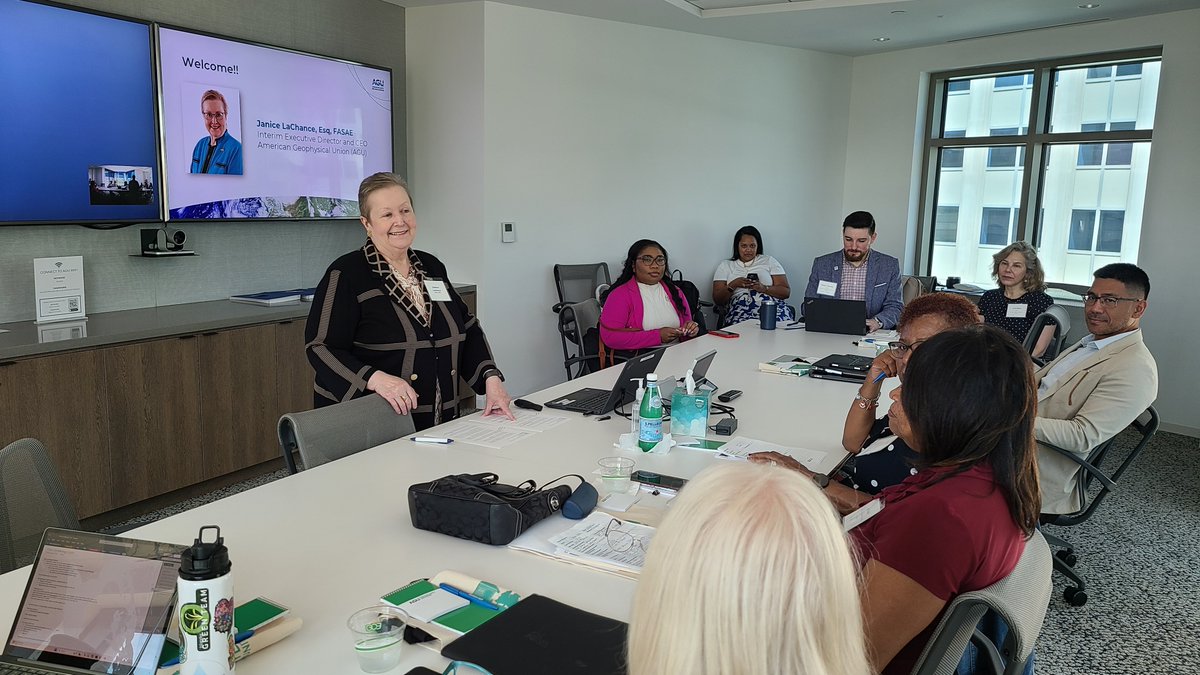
x,y
1021,296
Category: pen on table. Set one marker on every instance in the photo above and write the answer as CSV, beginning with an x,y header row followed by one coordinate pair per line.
x,y
467,596
431,439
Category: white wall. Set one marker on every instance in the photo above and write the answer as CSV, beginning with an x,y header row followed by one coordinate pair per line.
x,y
598,133
887,102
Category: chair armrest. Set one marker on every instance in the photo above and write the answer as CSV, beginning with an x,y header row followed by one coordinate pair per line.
x,y
558,306
1095,472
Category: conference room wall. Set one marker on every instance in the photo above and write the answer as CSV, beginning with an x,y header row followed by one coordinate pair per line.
x,y
597,133
232,257
887,104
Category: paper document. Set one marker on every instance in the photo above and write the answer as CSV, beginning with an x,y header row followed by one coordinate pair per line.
x,y
742,447
603,538
529,420
483,433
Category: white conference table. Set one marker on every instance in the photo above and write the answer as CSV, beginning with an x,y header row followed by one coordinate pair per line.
x,y
331,540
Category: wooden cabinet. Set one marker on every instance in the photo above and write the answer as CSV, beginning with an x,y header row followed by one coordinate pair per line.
x,y
293,374
61,401
239,404
154,418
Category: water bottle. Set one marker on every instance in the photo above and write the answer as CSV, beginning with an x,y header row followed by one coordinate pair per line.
x,y
635,427
206,607
766,315
650,415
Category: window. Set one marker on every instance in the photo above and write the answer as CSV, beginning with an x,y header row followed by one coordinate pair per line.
x,y
1073,185
945,229
996,228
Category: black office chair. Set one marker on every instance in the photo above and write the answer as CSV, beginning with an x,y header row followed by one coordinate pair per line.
x,y
576,283
1055,316
579,331
1064,559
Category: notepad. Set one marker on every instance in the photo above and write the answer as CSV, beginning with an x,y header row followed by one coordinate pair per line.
x,y
435,603
459,620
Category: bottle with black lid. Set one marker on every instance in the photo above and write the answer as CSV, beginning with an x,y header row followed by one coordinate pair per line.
x,y
206,607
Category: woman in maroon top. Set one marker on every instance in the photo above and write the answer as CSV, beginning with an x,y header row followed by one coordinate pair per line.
x,y
960,524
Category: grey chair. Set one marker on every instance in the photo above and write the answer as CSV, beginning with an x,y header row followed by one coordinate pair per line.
x,y
1056,316
912,287
32,498
339,430
1089,499
579,331
576,283
1020,599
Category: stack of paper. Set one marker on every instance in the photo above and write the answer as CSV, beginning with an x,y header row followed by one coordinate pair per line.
x,y
786,365
498,432
740,447
599,541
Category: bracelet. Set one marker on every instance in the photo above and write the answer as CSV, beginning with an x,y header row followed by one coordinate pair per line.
x,y
864,402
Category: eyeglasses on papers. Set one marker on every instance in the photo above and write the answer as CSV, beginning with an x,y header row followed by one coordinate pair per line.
x,y
619,540
1106,300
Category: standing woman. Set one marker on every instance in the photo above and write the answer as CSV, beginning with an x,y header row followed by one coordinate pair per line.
x,y
644,308
750,278
1021,296
386,319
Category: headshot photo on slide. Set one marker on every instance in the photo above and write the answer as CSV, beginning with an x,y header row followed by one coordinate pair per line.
x,y
218,119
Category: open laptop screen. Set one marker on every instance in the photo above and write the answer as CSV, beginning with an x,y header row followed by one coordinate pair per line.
x,y
97,603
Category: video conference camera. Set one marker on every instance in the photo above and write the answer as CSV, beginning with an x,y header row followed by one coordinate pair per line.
x,y
164,241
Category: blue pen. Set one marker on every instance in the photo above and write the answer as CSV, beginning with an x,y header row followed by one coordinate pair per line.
x,y
878,378
467,596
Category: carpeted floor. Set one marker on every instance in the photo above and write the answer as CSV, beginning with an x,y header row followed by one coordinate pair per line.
x,y
1139,555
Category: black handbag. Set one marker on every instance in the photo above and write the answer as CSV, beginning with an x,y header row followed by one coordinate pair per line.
x,y
477,507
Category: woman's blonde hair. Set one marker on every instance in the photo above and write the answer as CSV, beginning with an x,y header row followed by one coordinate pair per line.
x,y
1035,276
750,574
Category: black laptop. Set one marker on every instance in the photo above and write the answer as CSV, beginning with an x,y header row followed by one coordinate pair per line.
x,y
94,604
842,367
831,315
599,401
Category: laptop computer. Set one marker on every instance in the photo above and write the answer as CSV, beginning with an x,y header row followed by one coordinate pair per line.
x,y
699,368
831,315
599,401
93,604
842,367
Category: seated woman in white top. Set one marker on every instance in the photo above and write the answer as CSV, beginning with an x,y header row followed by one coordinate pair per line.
x,y
644,308
750,278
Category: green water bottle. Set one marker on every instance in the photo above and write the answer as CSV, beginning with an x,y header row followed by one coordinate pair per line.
x,y
650,416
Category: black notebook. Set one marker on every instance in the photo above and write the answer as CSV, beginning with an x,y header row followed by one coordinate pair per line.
x,y
539,635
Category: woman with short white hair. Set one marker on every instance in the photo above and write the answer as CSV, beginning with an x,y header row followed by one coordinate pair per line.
x,y
749,574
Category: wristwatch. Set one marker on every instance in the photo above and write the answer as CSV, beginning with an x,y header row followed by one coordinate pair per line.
x,y
821,480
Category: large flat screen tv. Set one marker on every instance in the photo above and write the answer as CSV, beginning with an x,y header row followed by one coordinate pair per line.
x,y
258,132
80,142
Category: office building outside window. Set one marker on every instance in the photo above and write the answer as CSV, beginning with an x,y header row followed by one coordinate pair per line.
x,y
1052,152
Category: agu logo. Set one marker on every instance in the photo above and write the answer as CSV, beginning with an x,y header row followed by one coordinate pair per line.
x,y
377,84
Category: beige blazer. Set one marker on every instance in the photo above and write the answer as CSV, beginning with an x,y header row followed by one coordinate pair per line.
x,y
1103,395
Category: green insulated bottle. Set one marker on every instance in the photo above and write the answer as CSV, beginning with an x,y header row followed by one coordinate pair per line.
x,y
650,416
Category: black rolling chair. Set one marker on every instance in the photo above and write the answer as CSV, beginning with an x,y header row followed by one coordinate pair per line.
x,y
1091,475
1055,317
579,331
576,283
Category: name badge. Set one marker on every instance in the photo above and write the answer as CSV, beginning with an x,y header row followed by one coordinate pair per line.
x,y
437,290
826,288
1017,311
863,514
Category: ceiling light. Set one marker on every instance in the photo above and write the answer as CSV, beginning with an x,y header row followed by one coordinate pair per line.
x,y
1090,5
882,39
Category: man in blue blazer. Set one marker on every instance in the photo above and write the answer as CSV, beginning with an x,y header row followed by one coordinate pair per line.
x,y
858,273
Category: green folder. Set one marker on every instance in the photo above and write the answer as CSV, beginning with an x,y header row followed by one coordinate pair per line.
x,y
462,620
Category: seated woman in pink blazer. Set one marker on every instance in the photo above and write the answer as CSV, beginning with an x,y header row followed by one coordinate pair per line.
x,y
644,308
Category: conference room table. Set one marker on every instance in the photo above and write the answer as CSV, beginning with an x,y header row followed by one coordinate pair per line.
x,y
332,539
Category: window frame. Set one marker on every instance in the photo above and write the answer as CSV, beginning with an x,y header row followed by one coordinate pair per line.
x,y
1035,142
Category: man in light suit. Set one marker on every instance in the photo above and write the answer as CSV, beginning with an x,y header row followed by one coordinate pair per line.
x,y
1097,387
858,273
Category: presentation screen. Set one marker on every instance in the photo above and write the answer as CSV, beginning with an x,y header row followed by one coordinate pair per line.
x,y
80,142
259,132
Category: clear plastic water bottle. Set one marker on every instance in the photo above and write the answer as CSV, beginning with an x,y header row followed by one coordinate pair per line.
x,y
206,607
650,416
635,427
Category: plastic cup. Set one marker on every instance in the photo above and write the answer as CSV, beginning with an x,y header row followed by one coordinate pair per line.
x,y
378,634
615,472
